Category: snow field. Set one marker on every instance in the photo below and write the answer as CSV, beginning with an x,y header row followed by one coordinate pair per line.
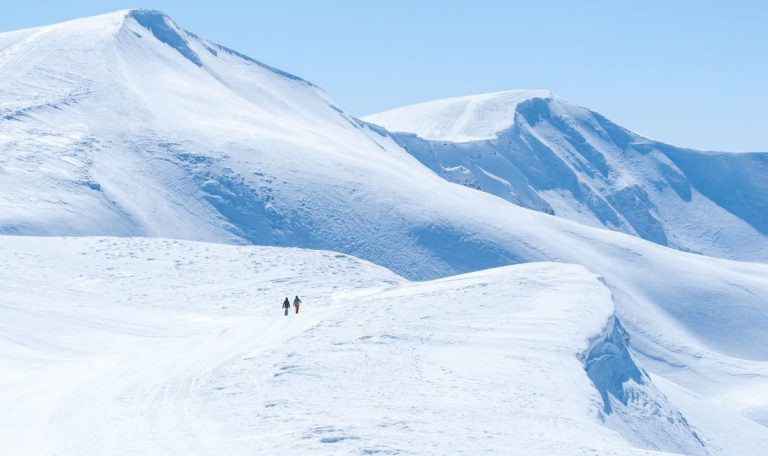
x,y
151,346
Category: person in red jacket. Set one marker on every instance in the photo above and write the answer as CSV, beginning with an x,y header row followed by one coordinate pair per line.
x,y
296,303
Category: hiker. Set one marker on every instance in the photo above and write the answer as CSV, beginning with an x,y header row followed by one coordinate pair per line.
x,y
296,302
287,306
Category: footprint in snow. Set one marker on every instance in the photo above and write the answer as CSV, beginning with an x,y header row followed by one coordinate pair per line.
x,y
336,439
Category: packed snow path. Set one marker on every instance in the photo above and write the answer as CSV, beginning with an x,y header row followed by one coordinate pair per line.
x,y
157,347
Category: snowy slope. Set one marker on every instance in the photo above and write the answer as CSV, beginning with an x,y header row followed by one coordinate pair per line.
x,y
152,346
461,119
545,153
124,124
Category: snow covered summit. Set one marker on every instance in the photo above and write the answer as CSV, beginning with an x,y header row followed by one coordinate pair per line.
x,y
461,119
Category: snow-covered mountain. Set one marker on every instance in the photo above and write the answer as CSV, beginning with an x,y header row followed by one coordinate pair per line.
x,y
127,125
542,152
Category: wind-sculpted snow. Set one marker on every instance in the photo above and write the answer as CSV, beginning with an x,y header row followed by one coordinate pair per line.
x,y
554,157
632,404
609,366
166,31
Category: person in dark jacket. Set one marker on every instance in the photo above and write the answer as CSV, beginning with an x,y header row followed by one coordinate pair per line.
x,y
296,303
287,306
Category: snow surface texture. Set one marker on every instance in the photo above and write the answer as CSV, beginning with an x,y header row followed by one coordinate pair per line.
x,y
547,154
126,125
150,346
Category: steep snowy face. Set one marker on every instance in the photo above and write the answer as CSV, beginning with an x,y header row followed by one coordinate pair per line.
x,y
555,157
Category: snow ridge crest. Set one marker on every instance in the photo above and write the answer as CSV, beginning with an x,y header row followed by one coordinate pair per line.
x,y
165,30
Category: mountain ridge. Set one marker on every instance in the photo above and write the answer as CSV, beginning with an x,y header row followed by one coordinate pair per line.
x,y
560,158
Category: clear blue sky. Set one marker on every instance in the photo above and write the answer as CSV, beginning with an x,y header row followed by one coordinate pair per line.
x,y
691,73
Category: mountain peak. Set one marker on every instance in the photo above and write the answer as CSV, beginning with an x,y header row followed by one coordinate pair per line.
x,y
108,25
460,119
133,12
147,17
165,30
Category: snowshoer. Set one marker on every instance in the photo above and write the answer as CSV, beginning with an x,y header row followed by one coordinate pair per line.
x,y
296,303
287,306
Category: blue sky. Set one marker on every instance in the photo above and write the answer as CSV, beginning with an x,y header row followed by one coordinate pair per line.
x,y
691,73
